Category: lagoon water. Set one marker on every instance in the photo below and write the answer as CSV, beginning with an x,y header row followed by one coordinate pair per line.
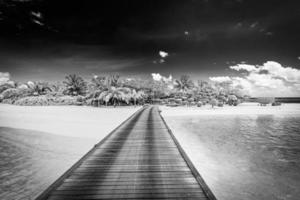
x,y
244,156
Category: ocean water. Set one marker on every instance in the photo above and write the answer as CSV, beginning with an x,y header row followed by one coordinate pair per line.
x,y
31,160
244,157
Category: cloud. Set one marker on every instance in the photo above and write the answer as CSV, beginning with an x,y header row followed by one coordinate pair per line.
x,y
4,76
36,14
37,22
158,77
269,33
163,54
168,81
162,59
277,70
244,67
269,79
5,79
220,79
37,17
253,25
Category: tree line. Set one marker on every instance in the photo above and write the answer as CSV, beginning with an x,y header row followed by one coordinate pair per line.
x,y
114,90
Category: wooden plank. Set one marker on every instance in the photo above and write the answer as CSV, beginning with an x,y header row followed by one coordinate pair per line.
x,y
136,190
130,195
128,187
138,160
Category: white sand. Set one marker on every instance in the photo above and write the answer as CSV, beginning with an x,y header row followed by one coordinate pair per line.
x,y
242,109
74,121
39,143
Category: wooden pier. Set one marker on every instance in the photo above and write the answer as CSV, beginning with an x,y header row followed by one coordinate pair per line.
x,y
140,159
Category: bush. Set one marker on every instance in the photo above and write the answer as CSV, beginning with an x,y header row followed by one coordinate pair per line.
x,y
232,100
184,98
184,103
193,103
6,86
220,104
66,100
179,101
171,99
199,104
34,101
190,100
11,93
7,101
47,100
276,104
90,102
80,99
213,102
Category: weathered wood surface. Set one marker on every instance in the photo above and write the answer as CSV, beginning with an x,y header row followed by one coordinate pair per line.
x,y
140,159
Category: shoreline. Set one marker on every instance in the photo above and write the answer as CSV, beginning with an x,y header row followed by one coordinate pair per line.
x,y
241,109
73,121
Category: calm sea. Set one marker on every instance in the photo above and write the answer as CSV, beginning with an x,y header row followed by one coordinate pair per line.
x,y
244,157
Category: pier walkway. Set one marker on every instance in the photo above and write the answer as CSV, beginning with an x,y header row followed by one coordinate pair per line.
x,y
140,159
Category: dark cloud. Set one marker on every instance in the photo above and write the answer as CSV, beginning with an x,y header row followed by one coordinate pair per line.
x,y
196,33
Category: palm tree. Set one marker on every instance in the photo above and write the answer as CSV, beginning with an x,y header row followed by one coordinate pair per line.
x,y
137,95
113,81
99,82
75,85
184,84
7,85
115,95
38,88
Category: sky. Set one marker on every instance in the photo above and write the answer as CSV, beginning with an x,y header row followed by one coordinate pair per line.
x,y
48,39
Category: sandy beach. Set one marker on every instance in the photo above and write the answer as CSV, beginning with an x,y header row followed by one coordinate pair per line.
x,y
243,152
73,121
38,144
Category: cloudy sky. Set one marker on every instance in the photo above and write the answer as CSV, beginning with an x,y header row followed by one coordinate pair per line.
x,y
47,39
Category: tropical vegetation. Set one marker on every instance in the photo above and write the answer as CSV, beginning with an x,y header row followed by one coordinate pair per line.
x,y
114,90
